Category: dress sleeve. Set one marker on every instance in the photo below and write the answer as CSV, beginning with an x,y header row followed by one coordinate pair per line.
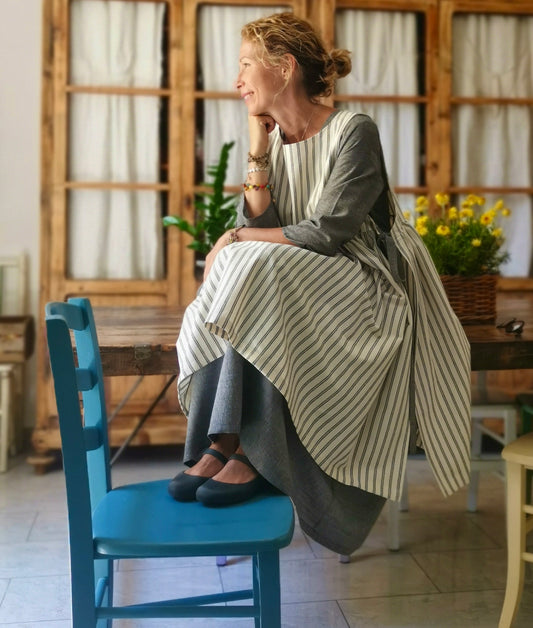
x,y
356,182
268,219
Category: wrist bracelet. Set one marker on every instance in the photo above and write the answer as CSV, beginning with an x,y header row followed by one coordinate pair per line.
x,y
261,160
257,170
254,186
233,237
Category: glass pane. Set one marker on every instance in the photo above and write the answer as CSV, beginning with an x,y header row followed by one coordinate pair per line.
x,y
118,43
492,55
387,50
220,121
115,234
117,138
491,148
491,145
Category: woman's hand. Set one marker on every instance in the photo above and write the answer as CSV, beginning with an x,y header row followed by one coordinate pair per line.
x,y
210,257
260,127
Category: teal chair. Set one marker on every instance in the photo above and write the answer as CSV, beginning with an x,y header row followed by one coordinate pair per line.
x,y
142,520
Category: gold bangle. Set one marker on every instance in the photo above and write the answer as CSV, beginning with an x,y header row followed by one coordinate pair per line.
x,y
233,237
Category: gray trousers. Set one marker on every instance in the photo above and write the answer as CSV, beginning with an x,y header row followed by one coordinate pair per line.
x,y
230,396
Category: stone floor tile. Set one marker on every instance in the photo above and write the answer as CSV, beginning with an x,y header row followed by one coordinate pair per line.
x,y
327,579
49,525
15,526
34,559
464,570
36,598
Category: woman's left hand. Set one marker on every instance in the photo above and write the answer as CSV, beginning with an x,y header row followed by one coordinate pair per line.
x,y
210,257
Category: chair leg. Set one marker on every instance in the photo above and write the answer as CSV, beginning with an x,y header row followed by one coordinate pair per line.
x,y
5,411
393,526
516,542
256,589
268,583
103,569
404,501
471,502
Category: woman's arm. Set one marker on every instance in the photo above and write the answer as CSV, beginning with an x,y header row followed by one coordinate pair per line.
x,y
356,182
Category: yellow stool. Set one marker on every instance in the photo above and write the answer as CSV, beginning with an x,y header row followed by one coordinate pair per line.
x,y
518,456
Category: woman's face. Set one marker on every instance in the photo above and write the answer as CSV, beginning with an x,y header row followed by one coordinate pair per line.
x,y
259,85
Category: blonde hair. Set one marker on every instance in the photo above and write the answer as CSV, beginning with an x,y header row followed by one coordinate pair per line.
x,y
283,33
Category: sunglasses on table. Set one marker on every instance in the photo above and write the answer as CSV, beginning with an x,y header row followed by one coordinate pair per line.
x,y
512,326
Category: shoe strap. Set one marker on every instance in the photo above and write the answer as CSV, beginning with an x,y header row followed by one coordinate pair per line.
x,y
216,454
243,459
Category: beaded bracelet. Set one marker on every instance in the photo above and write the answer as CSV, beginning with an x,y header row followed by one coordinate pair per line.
x,y
251,170
233,237
261,160
254,186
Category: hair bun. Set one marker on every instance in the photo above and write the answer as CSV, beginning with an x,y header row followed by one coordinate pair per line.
x,y
341,62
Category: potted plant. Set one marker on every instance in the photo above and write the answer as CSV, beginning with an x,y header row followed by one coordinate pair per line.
x,y
216,212
465,245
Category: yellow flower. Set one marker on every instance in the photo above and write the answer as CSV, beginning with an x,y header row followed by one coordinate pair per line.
x,y
422,204
473,199
486,218
453,213
506,211
407,215
464,239
442,199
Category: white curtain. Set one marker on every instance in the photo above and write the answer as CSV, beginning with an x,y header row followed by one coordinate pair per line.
x,y
225,120
115,234
492,144
384,62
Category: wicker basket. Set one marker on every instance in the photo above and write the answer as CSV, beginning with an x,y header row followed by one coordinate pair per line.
x,y
473,299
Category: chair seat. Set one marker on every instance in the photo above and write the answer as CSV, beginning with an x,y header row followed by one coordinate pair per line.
x,y
520,451
143,520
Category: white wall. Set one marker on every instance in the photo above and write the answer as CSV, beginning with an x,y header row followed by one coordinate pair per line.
x,y
20,106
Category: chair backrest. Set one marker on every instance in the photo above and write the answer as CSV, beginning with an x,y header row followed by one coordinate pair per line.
x,y
13,285
84,440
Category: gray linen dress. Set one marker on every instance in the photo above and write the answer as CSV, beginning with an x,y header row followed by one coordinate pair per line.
x,y
334,357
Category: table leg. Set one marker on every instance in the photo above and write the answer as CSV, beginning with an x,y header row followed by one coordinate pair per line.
x,y
148,412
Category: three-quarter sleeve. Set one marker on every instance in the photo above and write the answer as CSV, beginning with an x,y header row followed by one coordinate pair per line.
x,y
268,219
356,182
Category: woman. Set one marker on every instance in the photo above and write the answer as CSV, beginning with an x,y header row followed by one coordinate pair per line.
x,y
321,348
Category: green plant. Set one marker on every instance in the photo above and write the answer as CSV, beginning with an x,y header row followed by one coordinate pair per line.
x,y
216,212
464,241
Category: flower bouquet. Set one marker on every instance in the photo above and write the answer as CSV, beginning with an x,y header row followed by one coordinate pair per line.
x,y
466,246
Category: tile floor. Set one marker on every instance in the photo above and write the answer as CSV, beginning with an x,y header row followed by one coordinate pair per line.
x,y
450,570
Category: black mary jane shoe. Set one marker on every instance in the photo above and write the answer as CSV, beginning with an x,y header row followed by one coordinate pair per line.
x,y
184,486
215,493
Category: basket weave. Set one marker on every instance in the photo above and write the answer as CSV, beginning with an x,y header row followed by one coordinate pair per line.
x,y
473,299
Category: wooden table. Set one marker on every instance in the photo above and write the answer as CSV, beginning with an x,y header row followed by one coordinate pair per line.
x,y
141,340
